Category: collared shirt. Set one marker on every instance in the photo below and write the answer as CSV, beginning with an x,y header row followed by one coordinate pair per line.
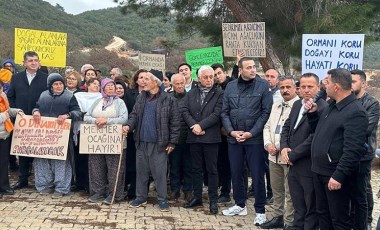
x,y
30,76
188,87
300,115
272,129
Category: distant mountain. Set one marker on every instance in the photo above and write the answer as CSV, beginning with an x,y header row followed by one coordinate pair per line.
x,y
89,29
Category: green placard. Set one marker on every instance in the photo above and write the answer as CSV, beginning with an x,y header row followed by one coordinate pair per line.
x,y
207,56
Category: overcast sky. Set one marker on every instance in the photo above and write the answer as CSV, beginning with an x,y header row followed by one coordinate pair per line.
x,y
79,6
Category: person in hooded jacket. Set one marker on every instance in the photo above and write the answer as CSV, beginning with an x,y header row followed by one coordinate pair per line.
x,y
55,175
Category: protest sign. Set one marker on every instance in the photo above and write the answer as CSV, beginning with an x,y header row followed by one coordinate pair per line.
x,y
105,140
244,37
47,139
206,56
50,46
322,52
152,61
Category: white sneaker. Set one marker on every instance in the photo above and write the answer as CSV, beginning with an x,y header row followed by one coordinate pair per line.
x,y
260,219
235,210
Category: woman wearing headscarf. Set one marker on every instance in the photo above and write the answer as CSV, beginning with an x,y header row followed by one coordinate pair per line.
x,y
6,128
55,175
109,109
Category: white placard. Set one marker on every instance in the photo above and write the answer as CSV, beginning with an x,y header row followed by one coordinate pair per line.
x,y
47,139
322,52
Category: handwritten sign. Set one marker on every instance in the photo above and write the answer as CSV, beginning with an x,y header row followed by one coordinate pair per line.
x,y
44,140
50,46
152,61
322,52
244,37
207,56
106,140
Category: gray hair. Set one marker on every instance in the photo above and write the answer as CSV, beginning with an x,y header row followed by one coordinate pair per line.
x,y
203,68
287,77
86,66
177,75
118,71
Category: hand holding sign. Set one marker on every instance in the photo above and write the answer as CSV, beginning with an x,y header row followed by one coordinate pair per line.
x,y
37,117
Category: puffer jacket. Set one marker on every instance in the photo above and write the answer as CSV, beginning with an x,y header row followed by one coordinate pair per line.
x,y
246,107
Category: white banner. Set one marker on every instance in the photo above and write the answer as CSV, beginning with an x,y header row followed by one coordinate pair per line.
x,y
322,52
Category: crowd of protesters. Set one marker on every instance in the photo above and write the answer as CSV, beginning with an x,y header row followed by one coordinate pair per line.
x,y
307,145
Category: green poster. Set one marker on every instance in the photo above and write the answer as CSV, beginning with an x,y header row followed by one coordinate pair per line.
x,y
206,56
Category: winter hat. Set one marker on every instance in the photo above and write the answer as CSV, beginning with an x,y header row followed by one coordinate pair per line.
x,y
10,61
157,73
53,77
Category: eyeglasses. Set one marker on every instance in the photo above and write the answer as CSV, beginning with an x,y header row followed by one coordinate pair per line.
x,y
8,66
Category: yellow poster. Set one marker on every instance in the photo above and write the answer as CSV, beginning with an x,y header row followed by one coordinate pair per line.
x,y
50,46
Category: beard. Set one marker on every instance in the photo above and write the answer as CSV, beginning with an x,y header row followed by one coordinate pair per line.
x,y
356,92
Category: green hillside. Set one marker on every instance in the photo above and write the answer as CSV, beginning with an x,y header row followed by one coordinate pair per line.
x,y
89,29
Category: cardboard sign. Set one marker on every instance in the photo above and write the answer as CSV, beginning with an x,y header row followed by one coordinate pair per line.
x,y
50,46
207,56
152,61
322,52
44,140
106,140
244,37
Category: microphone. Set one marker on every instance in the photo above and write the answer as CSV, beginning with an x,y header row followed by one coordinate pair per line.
x,y
321,94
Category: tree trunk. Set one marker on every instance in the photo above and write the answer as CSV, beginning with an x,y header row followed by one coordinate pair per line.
x,y
243,12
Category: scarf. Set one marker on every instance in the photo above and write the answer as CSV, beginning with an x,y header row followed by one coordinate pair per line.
x,y
4,106
204,92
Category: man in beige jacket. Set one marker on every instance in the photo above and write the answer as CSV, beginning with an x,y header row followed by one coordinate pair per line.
x,y
282,203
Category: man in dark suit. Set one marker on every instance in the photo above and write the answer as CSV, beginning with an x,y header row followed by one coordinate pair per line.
x,y
295,145
339,142
201,110
24,91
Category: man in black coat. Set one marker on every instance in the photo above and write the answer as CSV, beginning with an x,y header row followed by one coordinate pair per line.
x,y
362,193
337,147
295,144
201,111
24,91
180,158
224,172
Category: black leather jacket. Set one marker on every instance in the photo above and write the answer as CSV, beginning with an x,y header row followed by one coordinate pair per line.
x,y
372,108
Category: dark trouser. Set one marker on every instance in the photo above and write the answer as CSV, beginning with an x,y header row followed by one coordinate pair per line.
x,y
25,164
224,170
81,168
359,195
210,154
181,167
333,207
303,196
267,176
4,153
130,178
255,156
369,199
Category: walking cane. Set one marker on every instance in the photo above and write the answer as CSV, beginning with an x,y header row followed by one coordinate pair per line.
x,y
117,176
